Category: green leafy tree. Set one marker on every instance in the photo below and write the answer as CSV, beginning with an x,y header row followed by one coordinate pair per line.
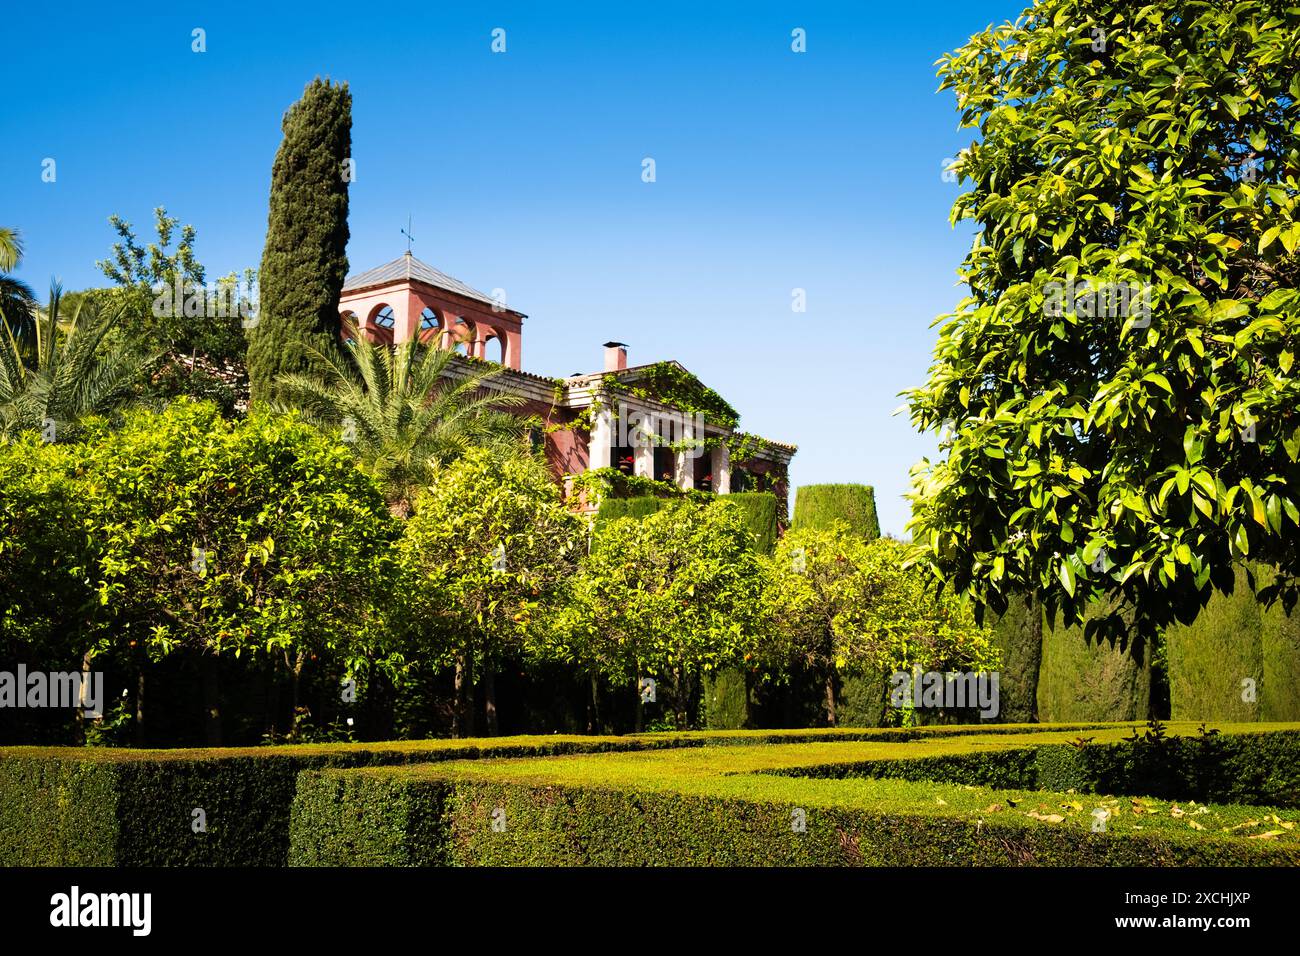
x,y
1117,395
669,597
491,546
64,372
837,604
406,409
196,329
305,260
256,537
44,551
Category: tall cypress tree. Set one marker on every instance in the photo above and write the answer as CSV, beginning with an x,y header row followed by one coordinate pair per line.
x,y
305,259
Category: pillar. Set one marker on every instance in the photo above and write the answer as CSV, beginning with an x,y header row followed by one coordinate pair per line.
x,y
686,456
722,470
641,436
600,440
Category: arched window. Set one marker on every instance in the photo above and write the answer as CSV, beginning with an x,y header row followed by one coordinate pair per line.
x,y
463,335
494,349
384,319
428,320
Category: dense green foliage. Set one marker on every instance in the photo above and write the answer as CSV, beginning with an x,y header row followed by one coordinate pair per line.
x,y
182,531
197,330
43,549
304,262
253,536
669,597
1117,391
838,604
820,506
490,550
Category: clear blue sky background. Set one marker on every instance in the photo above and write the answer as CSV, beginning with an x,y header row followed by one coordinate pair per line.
x,y
522,171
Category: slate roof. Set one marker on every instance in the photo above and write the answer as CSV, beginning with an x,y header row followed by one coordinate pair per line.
x,y
406,266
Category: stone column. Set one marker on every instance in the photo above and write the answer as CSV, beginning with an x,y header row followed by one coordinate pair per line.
x,y
600,441
687,455
641,436
722,470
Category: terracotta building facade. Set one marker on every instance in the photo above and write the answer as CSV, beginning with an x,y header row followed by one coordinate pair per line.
x,y
655,421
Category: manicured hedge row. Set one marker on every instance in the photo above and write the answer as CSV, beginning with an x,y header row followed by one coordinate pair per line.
x,y
759,509
100,807
1261,768
419,817
638,507
68,806
819,506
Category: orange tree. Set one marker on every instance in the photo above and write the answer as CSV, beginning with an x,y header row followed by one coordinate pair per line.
x,y
1117,394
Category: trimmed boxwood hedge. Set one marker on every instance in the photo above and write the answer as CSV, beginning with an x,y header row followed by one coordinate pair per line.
x,y
1261,768
78,806
738,806
760,511
819,506
70,806
103,807
638,507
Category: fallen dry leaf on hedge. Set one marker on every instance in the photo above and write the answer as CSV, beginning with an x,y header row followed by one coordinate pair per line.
x,y
1046,817
1266,836
1194,825
1241,826
1175,812
993,808
1072,805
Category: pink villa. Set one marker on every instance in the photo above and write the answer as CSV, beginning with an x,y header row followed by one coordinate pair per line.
x,y
654,421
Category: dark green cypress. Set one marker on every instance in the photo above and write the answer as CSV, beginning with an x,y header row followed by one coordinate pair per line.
x,y
305,259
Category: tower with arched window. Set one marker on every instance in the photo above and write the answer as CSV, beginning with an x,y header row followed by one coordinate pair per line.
x,y
406,297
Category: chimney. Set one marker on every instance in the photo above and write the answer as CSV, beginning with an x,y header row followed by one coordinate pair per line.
x,y
615,356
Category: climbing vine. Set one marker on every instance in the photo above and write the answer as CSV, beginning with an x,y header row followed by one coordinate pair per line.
x,y
669,383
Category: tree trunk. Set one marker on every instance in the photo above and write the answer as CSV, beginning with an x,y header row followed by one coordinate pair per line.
x,y
463,713
593,725
640,705
138,732
830,699
86,659
490,700
211,700
295,685
273,699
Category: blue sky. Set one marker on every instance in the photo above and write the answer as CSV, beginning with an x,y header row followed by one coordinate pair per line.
x,y
522,170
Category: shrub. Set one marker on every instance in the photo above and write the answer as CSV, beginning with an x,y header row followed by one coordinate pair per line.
x,y
102,807
755,806
820,506
611,509
760,511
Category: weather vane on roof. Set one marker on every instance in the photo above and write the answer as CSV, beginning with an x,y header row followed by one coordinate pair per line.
x,y
407,233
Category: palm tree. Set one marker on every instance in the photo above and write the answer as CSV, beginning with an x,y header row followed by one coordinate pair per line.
x,y
17,301
60,373
406,409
